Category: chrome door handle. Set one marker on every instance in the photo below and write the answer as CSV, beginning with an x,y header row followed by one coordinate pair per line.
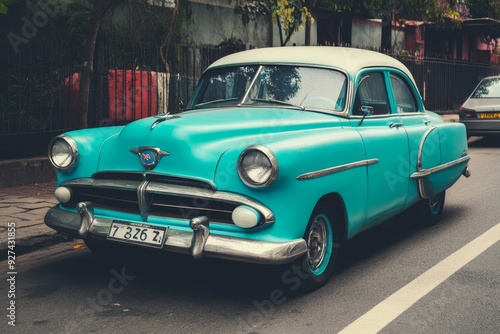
x,y
395,125
426,122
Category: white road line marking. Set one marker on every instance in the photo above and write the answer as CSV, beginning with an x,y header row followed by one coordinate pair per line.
x,y
393,306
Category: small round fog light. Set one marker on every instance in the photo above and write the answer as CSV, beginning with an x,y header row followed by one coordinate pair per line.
x,y
63,194
246,217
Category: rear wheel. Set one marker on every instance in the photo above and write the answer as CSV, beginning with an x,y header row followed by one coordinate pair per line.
x,y
322,240
428,212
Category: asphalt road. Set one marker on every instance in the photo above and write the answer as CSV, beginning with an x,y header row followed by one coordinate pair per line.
x,y
398,278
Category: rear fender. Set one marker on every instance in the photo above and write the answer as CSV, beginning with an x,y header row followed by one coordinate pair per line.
x,y
442,158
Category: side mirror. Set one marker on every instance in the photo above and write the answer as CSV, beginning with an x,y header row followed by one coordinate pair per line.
x,y
367,111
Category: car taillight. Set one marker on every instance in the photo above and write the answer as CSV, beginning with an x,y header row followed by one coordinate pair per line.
x,y
467,113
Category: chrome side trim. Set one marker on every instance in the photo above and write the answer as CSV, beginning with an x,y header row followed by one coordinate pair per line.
x,y
421,189
179,241
336,169
421,147
426,172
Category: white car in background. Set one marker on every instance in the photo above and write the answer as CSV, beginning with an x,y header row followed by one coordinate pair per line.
x,y
481,111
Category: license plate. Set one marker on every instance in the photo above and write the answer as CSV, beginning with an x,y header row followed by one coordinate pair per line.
x,y
489,115
142,234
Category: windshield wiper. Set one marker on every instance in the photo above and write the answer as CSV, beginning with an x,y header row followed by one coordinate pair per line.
x,y
214,101
280,102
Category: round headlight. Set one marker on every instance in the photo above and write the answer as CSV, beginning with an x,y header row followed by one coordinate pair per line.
x,y
257,166
62,152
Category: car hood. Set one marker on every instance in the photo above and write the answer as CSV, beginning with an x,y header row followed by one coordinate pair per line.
x,y
481,105
196,140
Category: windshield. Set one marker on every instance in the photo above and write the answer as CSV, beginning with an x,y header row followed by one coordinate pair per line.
x,y
488,88
289,86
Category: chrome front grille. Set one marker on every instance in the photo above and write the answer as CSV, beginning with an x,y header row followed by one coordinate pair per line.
x,y
156,195
139,177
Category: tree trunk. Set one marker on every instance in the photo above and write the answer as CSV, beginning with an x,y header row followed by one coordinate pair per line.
x,y
98,12
308,31
346,30
386,42
280,30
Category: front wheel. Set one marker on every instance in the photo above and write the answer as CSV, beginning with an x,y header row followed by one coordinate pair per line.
x,y
322,240
428,212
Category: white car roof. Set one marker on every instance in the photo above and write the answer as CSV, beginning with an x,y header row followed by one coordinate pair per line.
x,y
351,60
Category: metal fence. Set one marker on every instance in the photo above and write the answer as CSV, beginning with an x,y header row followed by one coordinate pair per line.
x,y
39,97
445,84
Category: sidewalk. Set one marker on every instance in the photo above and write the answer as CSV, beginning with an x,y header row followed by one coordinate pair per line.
x,y
19,172
25,206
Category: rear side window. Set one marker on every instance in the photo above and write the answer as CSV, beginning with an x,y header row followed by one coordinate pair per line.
x,y
405,98
488,88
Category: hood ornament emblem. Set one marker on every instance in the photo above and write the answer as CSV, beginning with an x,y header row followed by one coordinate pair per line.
x,y
149,156
162,117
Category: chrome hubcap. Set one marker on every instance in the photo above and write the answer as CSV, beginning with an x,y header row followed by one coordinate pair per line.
x,y
316,243
434,202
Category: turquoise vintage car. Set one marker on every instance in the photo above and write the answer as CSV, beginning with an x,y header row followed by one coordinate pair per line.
x,y
280,156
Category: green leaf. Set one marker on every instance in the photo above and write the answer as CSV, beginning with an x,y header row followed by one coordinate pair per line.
x,y
3,8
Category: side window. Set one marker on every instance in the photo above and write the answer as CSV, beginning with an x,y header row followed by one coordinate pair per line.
x,y
371,93
405,99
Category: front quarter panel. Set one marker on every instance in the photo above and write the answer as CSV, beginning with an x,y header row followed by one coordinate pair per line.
x,y
291,200
89,143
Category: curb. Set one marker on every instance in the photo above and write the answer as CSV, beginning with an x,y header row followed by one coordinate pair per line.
x,y
30,244
25,171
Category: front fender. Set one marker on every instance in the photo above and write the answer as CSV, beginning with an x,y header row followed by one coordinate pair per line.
x,y
89,143
291,199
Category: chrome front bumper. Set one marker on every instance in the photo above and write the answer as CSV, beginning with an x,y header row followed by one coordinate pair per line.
x,y
198,243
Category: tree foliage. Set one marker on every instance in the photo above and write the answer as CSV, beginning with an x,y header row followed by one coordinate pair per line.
x,y
5,3
289,15
442,13
482,8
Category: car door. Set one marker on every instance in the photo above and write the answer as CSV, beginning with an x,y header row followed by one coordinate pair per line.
x,y
384,139
423,135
